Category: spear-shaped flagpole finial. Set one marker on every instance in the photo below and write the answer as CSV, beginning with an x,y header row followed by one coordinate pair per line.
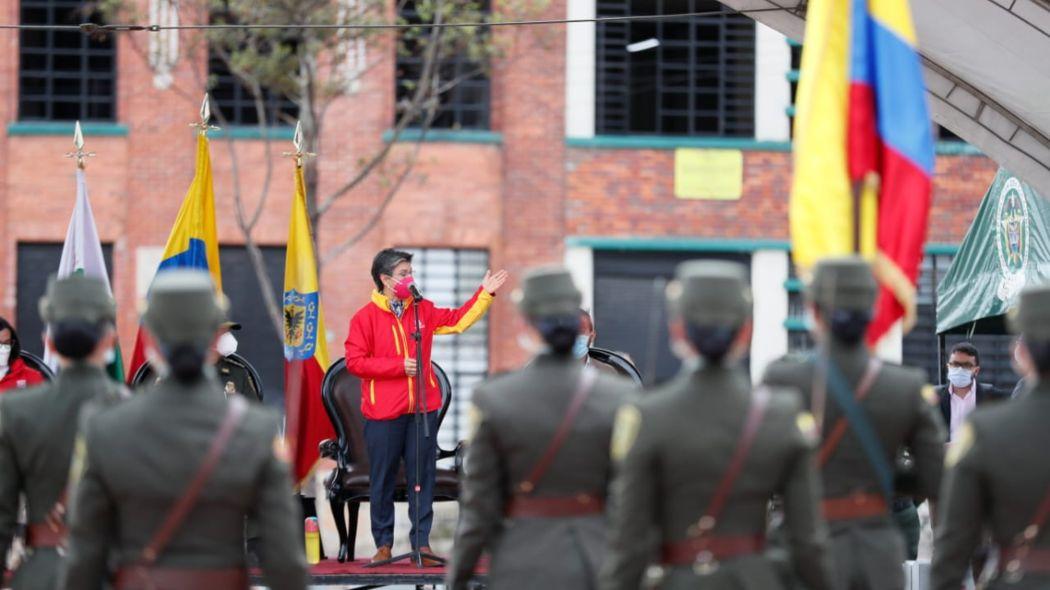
x,y
78,143
298,144
203,125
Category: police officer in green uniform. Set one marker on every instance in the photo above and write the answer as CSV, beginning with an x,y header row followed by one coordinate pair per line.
x,y
868,412
37,426
166,479
700,458
235,379
997,477
537,465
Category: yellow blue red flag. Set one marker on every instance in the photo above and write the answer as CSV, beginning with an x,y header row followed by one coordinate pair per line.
x,y
863,148
193,242
305,347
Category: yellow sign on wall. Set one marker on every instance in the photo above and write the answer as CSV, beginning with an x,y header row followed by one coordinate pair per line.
x,y
708,174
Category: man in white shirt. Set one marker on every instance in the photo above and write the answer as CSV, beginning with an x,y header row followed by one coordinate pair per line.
x,y
963,393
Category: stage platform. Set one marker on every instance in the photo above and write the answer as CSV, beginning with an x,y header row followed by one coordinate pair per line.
x,y
354,575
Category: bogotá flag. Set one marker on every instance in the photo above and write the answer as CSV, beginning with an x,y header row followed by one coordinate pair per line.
x,y
82,253
193,242
863,129
305,349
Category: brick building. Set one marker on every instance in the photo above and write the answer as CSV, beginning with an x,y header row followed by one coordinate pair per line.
x,y
566,152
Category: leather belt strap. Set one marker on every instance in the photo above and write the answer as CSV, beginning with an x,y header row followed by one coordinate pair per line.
x,y
169,578
854,507
522,506
178,513
713,547
583,389
42,535
831,442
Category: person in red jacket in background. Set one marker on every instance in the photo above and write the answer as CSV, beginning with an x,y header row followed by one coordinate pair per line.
x,y
14,372
381,352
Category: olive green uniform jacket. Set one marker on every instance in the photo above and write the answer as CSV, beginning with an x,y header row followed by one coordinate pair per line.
x,y
136,460
37,430
997,476
867,554
517,415
676,446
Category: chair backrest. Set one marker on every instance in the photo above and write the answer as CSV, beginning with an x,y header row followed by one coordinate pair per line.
x,y
622,364
341,393
34,362
144,374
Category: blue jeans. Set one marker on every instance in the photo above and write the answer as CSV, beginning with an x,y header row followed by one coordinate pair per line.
x,y
389,443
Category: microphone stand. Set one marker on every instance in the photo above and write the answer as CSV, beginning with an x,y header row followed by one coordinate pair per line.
x,y
422,426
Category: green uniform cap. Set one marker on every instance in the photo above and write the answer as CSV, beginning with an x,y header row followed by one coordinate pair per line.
x,y
77,297
843,283
548,291
1032,315
710,293
184,309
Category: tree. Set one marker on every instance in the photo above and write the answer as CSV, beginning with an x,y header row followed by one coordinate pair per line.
x,y
314,63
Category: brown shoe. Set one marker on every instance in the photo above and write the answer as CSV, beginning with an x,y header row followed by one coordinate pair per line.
x,y
430,562
382,554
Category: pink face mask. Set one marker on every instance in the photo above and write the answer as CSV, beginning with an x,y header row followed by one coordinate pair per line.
x,y
401,288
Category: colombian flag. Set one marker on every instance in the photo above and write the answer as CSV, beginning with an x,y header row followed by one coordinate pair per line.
x,y
193,242
305,348
863,129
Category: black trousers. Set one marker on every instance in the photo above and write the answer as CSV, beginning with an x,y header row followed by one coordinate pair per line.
x,y
391,442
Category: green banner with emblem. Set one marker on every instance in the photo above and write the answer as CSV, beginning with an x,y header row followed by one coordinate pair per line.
x,y
1006,248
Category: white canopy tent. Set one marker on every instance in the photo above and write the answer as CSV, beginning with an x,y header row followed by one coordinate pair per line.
x,y
987,67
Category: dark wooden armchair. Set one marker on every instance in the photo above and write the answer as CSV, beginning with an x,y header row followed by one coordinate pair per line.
x,y
348,484
34,362
145,374
617,361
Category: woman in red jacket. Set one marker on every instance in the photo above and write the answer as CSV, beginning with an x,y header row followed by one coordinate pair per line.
x,y
14,373
381,352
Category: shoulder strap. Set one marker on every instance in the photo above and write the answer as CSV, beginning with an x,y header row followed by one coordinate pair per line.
x,y
858,420
175,517
755,414
834,437
583,389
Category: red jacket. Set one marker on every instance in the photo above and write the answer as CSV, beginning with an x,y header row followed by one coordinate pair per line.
x,y
379,343
19,375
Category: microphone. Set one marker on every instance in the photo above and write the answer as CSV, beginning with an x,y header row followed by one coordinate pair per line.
x,y
414,290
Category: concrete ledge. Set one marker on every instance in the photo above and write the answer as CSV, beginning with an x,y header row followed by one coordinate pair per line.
x,y
65,128
446,136
676,244
670,142
251,132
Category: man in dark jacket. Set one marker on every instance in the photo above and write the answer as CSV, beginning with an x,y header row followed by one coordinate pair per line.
x,y
963,393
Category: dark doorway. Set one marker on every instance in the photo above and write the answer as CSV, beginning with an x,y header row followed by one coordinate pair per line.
x,y
36,262
630,313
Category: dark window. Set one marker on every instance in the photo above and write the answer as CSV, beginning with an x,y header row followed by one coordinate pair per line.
x,y
630,314
799,338
234,99
920,345
945,134
65,75
450,278
465,104
697,76
36,262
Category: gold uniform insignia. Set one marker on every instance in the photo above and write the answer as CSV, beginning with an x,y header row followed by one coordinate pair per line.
x,y
807,426
961,446
280,450
474,418
230,388
625,431
930,395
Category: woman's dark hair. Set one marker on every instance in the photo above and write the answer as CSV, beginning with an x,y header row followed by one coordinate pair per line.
x,y
1039,350
848,326
16,345
712,342
186,362
384,263
76,339
559,332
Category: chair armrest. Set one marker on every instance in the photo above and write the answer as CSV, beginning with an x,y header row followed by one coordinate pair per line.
x,y
329,449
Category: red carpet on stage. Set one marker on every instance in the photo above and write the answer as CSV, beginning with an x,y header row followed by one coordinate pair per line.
x,y
354,572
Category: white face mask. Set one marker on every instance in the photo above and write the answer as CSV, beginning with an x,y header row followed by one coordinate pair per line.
x,y
226,345
5,354
960,377
109,357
